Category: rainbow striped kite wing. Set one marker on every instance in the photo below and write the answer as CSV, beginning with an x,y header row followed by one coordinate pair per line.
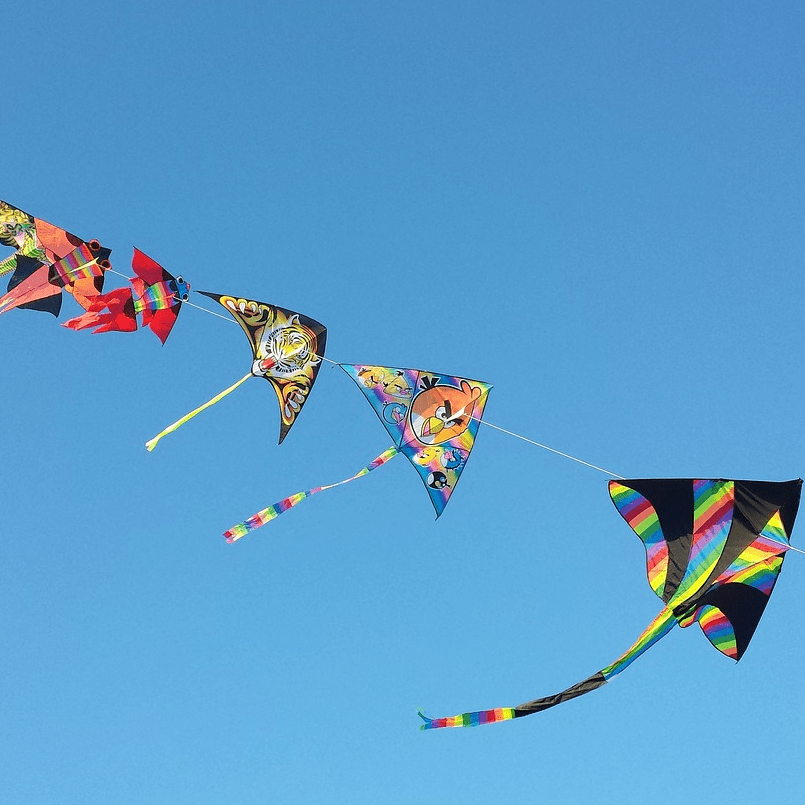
x,y
642,517
736,594
714,548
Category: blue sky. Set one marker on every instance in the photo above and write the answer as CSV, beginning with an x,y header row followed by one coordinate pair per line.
x,y
597,208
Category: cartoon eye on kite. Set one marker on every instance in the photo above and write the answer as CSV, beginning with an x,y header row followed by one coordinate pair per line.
x,y
714,550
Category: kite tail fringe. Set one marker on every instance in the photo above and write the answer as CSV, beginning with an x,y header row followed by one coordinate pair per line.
x,y
475,719
271,512
266,515
152,443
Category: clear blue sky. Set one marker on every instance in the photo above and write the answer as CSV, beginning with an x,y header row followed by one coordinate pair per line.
x,y
597,208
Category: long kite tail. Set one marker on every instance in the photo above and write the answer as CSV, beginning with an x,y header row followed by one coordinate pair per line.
x,y
268,514
657,629
152,443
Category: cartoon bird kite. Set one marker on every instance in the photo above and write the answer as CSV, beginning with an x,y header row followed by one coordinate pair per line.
x,y
432,418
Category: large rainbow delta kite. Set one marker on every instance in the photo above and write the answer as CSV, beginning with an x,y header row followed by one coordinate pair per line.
x,y
714,550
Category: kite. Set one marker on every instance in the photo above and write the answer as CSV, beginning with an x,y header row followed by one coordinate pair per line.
x,y
432,419
47,261
155,293
287,348
714,549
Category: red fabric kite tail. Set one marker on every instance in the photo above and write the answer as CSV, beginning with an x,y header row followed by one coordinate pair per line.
x,y
113,311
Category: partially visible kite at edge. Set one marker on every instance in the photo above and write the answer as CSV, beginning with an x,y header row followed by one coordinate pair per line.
x,y
714,549
287,350
154,292
432,418
47,261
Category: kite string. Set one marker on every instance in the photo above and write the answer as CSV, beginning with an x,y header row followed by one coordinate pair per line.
x,y
232,321
545,447
211,312
153,442
112,271
477,419
786,545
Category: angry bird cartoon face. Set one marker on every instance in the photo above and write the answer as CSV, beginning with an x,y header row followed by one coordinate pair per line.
x,y
396,385
452,458
440,413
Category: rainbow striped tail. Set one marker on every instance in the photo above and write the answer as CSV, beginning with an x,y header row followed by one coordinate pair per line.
x,y
657,629
269,513
467,719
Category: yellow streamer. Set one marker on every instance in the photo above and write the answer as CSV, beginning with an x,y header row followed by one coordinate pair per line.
x,y
152,443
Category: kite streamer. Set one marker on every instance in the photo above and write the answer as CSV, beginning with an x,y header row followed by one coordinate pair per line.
x,y
152,443
268,514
